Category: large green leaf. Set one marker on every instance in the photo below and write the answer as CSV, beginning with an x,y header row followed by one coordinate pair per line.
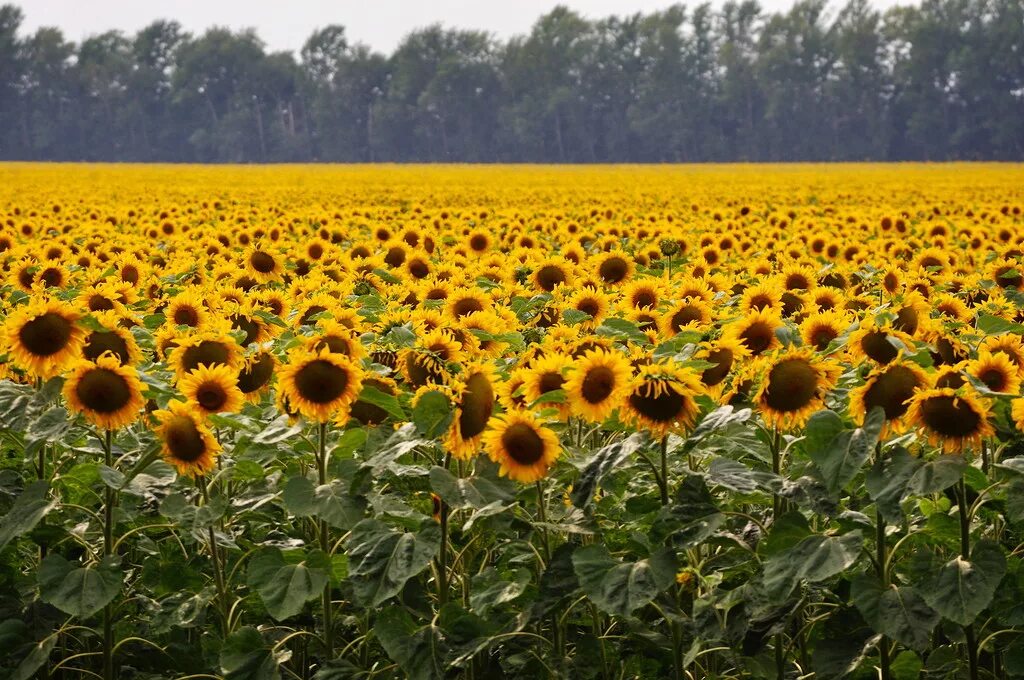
x,y
887,480
387,402
432,414
330,502
619,588
937,475
961,589
30,507
285,587
843,456
896,611
382,559
815,558
470,492
691,519
36,657
79,590
603,461
418,651
245,656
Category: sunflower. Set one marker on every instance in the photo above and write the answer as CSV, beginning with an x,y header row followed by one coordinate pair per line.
x,y
1010,345
642,294
614,267
550,273
691,313
320,385
111,338
188,444
597,384
545,376
512,391
1017,413
997,371
794,386
255,375
760,297
211,347
725,354
337,338
881,344
522,447
186,309
212,389
474,397
108,394
43,337
465,301
589,301
756,332
428,361
890,387
819,329
662,399
951,419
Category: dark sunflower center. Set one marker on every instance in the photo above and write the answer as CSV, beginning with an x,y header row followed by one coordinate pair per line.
x,y
211,396
310,313
791,303
256,375
822,336
757,337
613,270
716,374
792,384
321,382
995,379
666,407
644,299
598,384
588,306
419,269
46,334
186,316
523,444
550,276
760,302
98,303
209,352
478,242
950,417
99,342
183,439
262,262
877,346
477,405
686,315
52,277
891,390
103,391
551,381
467,306
247,325
367,413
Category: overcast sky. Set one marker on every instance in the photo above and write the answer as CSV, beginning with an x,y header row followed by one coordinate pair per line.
x,y
285,24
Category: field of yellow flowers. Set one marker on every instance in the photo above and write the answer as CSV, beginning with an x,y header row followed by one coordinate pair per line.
x,y
511,422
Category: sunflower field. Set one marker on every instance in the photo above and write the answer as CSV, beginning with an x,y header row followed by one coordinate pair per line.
x,y
511,422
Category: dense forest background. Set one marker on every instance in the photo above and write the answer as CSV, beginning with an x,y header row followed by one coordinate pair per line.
x,y
936,81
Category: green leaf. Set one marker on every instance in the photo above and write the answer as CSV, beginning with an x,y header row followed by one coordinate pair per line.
x,y
50,426
79,591
715,421
490,589
622,329
602,462
399,443
471,492
899,612
821,429
387,402
937,475
841,459
961,590
432,414
619,588
786,531
382,559
815,558
845,643
329,502
245,656
887,480
571,317
906,666
36,658
417,651
994,325
691,519
29,508
284,587
736,476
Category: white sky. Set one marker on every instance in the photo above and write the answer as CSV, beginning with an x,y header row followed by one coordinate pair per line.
x,y
285,24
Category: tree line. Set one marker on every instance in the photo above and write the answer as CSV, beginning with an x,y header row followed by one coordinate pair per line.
x,y
940,80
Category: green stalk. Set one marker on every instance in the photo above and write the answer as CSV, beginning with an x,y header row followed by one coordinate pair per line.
x,y
780,658
109,499
218,567
971,641
881,549
325,545
663,482
442,557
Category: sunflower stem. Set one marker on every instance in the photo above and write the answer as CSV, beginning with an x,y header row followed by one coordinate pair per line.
x,y
881,556
109,499
777,469
442,557
663,481
218,568
970,641
325,543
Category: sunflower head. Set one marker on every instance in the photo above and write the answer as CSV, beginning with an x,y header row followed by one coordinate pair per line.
x,y
890,388
663,398
597,384
320,385
793,386
474,399
188,444
522,447
107,393
44,337
212,389
997,371
950,419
